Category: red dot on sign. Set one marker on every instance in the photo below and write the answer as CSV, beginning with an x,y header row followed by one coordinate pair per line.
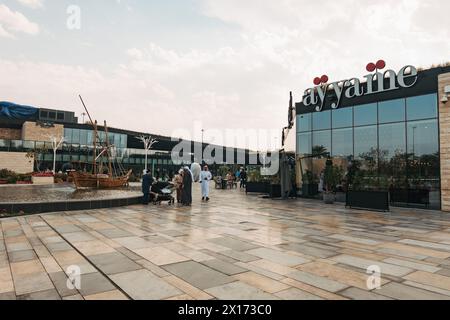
x,y
381,64
317,81
371,67
324,79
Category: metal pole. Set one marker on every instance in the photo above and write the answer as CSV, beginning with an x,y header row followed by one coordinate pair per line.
x,y
203,131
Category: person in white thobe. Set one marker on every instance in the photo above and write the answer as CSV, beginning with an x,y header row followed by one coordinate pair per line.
x,y
205,178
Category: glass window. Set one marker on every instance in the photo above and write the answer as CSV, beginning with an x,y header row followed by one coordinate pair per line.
x,y
117,140
304,122
321,142
90,137
421,107
423,138
123,140
365,114
342,118
424,163
76,136
68,135
83,137
321,120
392,140
365,140
391,111
28,145
343,142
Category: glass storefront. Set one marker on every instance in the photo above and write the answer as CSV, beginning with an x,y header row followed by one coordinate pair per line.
x,y
85,137
391,145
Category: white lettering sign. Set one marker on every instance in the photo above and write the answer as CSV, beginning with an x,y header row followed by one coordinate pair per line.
x,y
376,83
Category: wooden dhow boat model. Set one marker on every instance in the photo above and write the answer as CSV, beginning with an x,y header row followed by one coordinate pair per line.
x,y
115,176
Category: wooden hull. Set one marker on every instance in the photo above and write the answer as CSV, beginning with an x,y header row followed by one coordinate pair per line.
x,y
87,180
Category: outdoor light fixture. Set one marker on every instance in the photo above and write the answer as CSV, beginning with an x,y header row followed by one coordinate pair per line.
x,y
446,93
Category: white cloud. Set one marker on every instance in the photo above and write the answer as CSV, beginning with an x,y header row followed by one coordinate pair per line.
x,y
12,22
284,45
34,4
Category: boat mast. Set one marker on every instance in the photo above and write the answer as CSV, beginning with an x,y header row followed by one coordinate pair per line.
x,y
94,124
94,161
108,151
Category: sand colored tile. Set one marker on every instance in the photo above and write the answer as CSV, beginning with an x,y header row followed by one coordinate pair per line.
x,y
336,273
416,250
50,264
313,290
91,248
27,267
261,282
109,295
160,255
190,290
431,279
272,267
6,281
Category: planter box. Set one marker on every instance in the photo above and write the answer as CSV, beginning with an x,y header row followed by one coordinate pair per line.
x,y
257,187
310,190
275,190
329,197
3,181
374,200
43,180
24,182
410,196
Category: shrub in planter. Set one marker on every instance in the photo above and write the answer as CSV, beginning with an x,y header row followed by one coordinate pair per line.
x,y
5,173
332,177
12,180
60,177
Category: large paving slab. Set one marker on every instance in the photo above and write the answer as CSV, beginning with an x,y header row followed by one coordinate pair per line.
x,y
235,247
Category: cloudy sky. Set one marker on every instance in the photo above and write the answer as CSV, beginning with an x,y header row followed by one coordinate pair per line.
x,y
157,66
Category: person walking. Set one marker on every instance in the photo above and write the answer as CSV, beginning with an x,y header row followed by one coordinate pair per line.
x,y
178,184
147,181
243,176
205,178
186,196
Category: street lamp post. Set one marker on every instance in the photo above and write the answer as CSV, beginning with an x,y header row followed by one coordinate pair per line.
x,y
203,132
55,145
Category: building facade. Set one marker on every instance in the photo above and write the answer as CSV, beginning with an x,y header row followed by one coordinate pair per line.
x,y
25,129
389,132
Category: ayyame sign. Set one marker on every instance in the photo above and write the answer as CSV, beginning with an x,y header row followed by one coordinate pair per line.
x,y
376,83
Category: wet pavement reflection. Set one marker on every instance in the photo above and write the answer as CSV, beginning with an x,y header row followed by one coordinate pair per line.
x,y
60,192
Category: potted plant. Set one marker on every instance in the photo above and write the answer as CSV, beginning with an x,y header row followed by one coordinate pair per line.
x,y
310,186
332,177
275,187
256,183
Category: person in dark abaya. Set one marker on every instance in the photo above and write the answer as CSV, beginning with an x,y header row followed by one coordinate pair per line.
x,y
147,181
186,197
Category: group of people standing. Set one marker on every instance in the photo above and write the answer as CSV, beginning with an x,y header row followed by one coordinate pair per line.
x,y
182,182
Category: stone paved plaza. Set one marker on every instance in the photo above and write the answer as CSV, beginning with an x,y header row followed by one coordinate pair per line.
x,y
235,247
